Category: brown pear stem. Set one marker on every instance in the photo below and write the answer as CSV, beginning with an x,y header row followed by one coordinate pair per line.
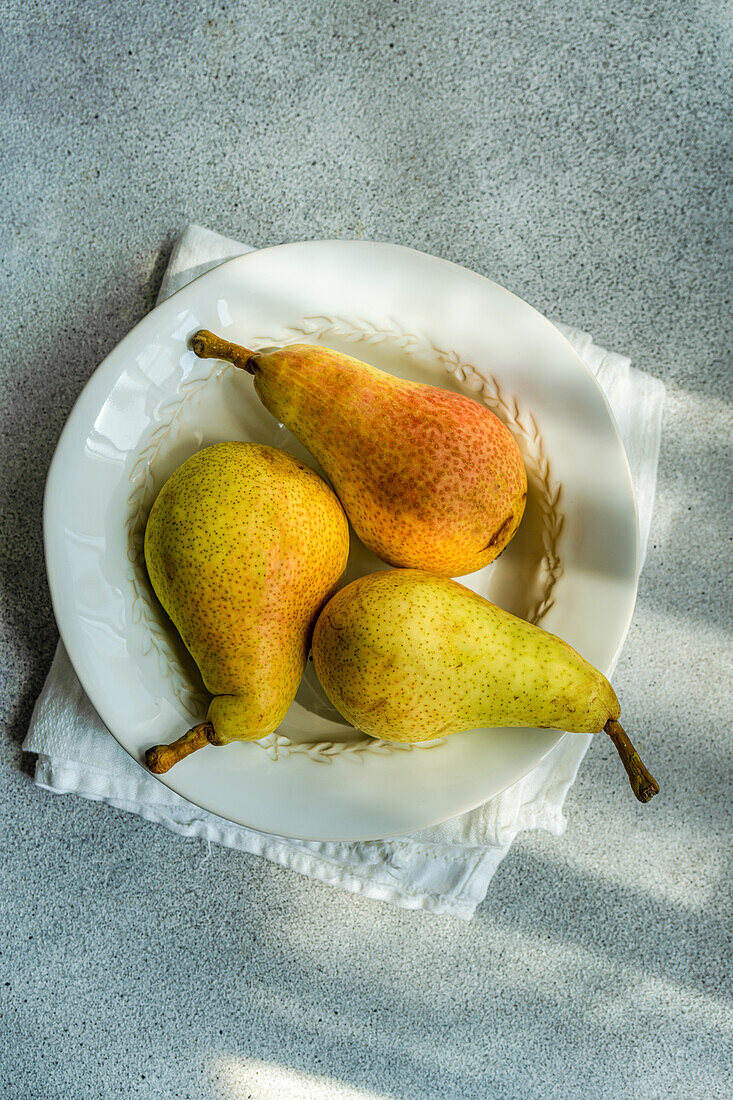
x,y
207,345
643,784
162,757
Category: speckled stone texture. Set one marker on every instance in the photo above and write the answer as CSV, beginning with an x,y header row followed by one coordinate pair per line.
x,y
574,151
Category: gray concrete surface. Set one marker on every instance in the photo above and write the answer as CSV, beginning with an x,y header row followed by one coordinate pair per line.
x,y
574,151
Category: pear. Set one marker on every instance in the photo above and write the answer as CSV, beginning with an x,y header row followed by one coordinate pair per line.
x,y
243,546
429,478
408,656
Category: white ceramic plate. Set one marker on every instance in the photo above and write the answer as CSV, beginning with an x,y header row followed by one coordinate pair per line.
x,y
151,404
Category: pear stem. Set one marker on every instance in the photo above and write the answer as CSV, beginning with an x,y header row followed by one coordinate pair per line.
x,y
207,345
162,757
643,784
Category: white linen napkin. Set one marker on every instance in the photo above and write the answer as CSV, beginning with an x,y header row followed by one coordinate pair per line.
x,y
444,869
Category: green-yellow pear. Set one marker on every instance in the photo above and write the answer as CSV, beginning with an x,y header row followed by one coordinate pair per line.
x,y
408,656
429,478
243,546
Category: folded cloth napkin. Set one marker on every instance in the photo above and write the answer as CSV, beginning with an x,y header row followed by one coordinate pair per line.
x,y
444,869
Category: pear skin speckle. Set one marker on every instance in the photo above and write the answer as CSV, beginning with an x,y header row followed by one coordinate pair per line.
x,y
407,656
243,546
429,478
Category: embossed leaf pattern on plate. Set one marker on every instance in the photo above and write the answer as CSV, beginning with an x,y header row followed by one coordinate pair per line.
x,y
485,388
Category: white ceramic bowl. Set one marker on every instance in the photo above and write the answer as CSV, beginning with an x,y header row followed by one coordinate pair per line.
x,y
151,404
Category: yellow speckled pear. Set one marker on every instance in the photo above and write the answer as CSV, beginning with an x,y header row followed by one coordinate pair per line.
x,y
429,478
408,656
243,546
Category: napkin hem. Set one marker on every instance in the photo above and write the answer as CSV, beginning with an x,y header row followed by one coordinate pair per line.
x,y
461,901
